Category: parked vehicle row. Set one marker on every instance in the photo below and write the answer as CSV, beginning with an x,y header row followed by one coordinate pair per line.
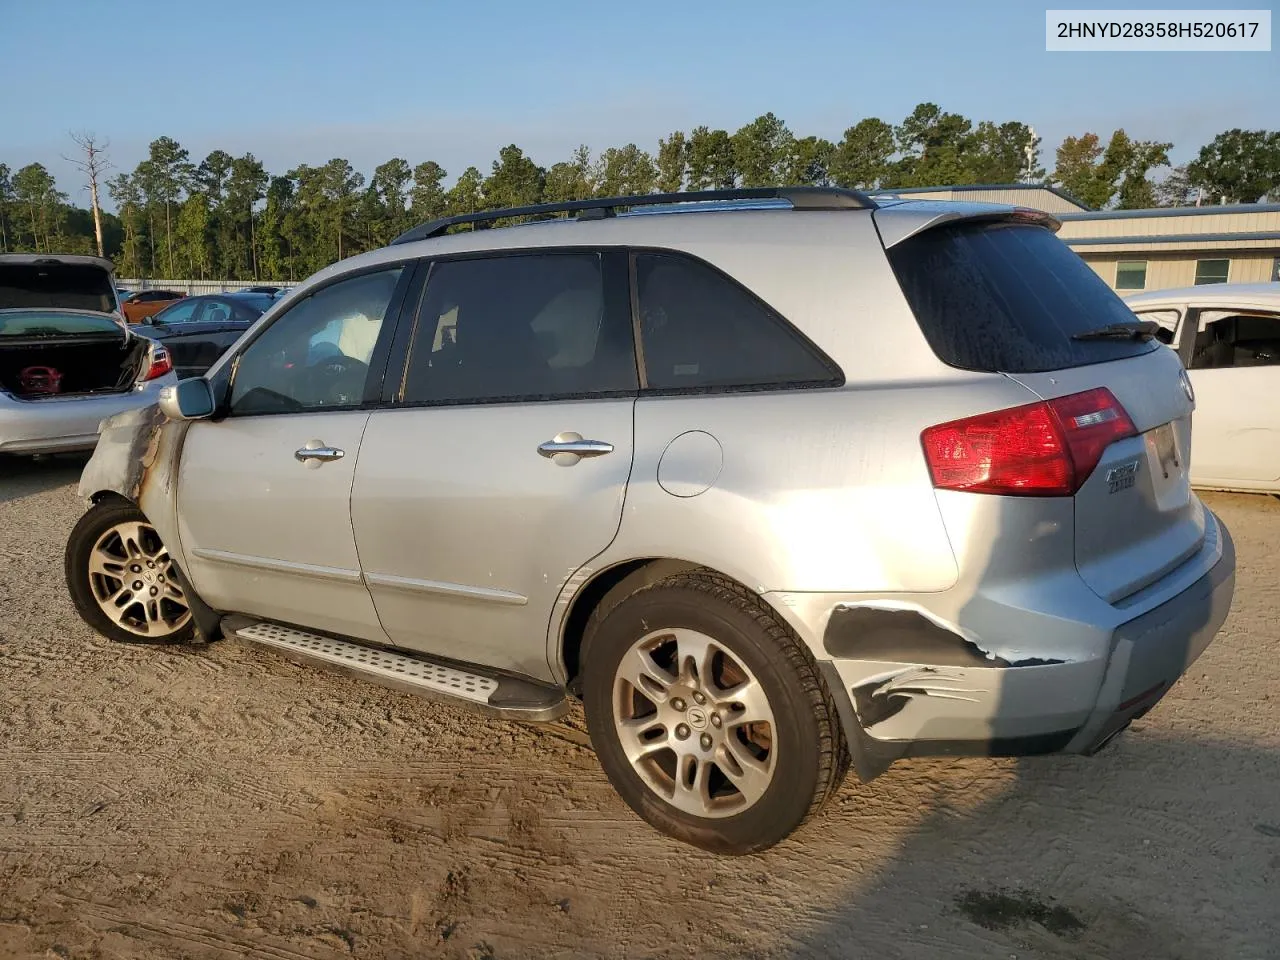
x,y
67,359
776,481
136,307
198,330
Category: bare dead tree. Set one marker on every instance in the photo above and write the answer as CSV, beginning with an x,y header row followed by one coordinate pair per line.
x,y
94,164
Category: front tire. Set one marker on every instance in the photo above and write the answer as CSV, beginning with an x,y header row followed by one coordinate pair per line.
x,y
122,580
709,715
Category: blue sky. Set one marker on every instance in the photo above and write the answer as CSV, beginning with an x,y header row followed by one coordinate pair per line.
x,y
298,82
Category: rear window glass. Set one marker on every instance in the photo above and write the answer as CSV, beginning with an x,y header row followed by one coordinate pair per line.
x,y
59,285
40,323
1008,297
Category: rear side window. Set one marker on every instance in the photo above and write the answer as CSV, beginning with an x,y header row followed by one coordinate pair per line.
x,y
700,330
1008,297
518,327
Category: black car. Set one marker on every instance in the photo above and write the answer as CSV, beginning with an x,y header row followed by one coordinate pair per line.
x,y
198,330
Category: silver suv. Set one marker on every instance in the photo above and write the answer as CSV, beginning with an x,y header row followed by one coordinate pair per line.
x,y
774,481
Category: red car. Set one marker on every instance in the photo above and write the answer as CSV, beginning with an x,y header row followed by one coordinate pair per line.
x,y
146,303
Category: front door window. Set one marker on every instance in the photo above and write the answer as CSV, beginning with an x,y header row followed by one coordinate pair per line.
x,y
316,356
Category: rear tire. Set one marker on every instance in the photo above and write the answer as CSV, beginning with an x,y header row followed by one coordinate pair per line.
x,y
121,579
709,715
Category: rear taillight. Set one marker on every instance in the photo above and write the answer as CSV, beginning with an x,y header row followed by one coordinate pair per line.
x,y
159,364
1045,449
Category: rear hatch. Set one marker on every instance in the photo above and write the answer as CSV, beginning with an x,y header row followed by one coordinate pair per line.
x,y
1006,296
60,283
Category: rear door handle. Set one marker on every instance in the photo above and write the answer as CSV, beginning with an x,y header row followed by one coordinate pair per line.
x,y
567,449
314,453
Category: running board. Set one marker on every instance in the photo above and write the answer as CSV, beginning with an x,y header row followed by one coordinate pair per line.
x,y
493,694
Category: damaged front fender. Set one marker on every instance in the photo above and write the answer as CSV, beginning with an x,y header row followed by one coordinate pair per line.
x,y
137,458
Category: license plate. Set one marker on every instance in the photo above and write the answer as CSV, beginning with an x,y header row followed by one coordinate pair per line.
x,y
1163,444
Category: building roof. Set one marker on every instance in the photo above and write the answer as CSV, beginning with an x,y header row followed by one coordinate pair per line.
x,y
1241,208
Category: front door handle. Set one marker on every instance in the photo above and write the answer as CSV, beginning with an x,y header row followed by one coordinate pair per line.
x,y
314,453
566,449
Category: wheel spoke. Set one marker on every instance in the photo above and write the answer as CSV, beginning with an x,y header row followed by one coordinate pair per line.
x,y
697,654
693,797
118,604
745,703
749,774
104,564
131,538
635,744
639,669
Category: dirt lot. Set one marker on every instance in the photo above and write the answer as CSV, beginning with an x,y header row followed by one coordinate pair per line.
x,y
225,802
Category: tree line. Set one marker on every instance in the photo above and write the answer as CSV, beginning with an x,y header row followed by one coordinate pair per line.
x,y
228,217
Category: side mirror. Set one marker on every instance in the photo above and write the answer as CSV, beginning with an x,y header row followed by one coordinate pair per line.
x,y
187,400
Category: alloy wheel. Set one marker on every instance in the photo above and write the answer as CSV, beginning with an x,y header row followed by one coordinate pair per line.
x,y
695,723
135,583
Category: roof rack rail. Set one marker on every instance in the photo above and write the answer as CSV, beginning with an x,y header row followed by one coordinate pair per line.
x,y
800,198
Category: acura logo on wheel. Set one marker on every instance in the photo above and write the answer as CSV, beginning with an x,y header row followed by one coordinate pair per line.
x,y
697,718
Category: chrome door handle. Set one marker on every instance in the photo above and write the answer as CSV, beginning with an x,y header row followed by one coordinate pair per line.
x,y
318,453
569,448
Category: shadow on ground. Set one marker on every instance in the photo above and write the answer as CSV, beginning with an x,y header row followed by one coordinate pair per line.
x,y
1156,848
25,476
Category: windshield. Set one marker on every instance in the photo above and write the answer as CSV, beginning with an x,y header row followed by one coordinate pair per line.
x,y
1009,297
53,323
65,286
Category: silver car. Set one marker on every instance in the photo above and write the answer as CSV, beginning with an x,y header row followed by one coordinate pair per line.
x,y
774,481
67,358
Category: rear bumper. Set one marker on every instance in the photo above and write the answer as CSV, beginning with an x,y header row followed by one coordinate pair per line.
x,y
66,424
925,691
1150,652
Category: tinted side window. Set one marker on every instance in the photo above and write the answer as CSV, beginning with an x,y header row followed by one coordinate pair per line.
x,y
1008,297
316,355
181,312
1238,342
215,311
517,327
701,330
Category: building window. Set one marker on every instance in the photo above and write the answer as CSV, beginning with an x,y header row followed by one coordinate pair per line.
x,y
1275,270
1212,271
1131,275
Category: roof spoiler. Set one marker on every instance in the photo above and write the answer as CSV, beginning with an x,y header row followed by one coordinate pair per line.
x,y
915,217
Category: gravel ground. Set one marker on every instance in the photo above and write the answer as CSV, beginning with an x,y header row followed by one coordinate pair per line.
x,y
225,802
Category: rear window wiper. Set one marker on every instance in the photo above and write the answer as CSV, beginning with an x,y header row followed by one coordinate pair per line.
x,y
1142,330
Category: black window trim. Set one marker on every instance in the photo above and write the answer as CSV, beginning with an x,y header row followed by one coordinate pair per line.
x,y
1187,330
835,381
614,290
378,360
